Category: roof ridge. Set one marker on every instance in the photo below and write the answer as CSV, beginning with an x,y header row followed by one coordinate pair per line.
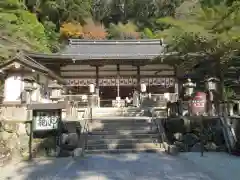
x,y
111,42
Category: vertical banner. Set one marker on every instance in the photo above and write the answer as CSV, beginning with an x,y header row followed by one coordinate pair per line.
x,y
199,103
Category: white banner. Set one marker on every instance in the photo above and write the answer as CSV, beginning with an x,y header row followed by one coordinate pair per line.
x,y
165,82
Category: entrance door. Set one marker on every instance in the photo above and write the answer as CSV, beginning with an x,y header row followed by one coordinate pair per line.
x,y
107,94
126,91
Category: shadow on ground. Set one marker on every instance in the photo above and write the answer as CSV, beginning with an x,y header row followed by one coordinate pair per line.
x,y
149,166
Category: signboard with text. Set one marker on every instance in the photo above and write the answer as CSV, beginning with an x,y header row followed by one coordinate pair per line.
x,y
46,120
198,104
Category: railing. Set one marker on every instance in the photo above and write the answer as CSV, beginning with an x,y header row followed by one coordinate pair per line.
x,y
160,129
171,97
212,109
84,131
229,134
83,100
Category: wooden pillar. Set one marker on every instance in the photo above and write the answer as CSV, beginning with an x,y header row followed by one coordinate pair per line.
x,y
177,85
97,80
138,78
118,80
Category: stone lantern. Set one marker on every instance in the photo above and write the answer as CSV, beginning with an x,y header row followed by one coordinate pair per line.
x,y
91,95
91,88
189,87
211,84
143,88
55,91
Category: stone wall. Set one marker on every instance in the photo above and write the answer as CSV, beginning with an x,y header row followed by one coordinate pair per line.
x,y
186,133
14,142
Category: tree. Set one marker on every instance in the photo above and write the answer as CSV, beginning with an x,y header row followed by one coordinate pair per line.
x,y
196,32
59,11
20,29
93,30
209,35
71,30
123,31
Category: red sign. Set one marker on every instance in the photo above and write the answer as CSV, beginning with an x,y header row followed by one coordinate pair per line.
x,y
198,104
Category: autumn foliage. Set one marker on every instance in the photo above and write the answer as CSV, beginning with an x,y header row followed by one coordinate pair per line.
x,y
90,30
94,30
71,30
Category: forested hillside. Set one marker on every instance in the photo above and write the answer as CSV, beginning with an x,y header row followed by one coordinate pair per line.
x,y
44,25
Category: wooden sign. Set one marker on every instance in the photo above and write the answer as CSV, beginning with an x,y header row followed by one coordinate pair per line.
x,y
46,120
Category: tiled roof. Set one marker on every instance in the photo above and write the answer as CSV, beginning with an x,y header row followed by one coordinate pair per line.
x,y
111,49
28,61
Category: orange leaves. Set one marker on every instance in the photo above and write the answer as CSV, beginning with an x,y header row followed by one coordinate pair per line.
x,y
90,30
71,30
94,30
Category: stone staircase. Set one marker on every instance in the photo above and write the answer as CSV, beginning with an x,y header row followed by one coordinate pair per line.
x,y
117,112
122,134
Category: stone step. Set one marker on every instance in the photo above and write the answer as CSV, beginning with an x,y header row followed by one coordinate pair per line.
x,y
98,142
111,128
120,151
131,150
122,132
119,122
108,114
122,136
112,146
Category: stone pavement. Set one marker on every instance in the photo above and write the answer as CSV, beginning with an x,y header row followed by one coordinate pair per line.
x,y
142,166
224,166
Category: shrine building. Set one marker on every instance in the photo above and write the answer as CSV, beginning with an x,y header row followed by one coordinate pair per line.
x,y
115,68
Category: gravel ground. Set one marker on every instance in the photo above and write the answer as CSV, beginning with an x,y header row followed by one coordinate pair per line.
x,y
148,166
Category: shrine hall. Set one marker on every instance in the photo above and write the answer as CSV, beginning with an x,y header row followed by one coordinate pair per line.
x,y
115,68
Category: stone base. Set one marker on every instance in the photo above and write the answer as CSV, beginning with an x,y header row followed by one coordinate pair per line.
x,y
14,142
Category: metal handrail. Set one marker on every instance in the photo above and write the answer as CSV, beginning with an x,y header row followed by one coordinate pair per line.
x,y
229,134
84,132
161,131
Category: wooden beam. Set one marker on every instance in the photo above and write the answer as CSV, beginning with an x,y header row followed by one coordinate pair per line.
x,y
112,70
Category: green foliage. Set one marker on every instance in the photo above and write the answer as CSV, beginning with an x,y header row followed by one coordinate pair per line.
x,y
187,26
228,93
20,29
123,31
196,32
147,33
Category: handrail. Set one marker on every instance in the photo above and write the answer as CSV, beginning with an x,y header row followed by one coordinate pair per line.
x,y
161,131
84,132
229,134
